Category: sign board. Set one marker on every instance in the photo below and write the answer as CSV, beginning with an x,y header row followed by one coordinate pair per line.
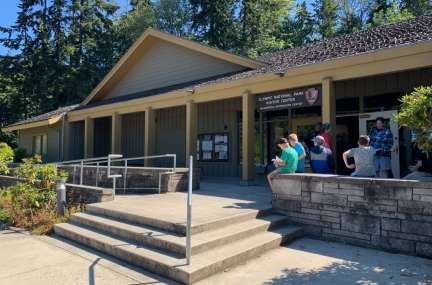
x,y
289,99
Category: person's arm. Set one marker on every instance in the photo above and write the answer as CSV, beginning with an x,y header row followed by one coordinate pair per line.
x,y
345,156
305,146
389,141
301,156
417,166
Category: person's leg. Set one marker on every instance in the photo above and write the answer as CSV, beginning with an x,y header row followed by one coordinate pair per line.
x,y
376,165
270,180
270,176
412,176
385,166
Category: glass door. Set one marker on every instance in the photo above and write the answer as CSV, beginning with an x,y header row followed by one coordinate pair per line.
x,y
304,127
367,122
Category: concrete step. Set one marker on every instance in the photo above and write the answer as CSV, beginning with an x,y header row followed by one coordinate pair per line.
x,y
172,265
180,228
175,242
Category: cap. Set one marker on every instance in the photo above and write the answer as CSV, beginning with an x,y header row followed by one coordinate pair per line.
x,y
318,139
281,141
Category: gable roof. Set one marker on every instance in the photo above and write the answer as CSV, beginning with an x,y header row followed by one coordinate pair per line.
x,y
143,44
384,37
41,120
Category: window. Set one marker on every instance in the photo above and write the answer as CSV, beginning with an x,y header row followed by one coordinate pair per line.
x,y
40,144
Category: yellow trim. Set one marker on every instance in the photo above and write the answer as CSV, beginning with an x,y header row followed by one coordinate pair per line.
x,y
33,125
370,64
142,45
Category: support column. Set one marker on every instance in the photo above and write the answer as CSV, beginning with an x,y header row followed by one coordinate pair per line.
x,y
329,108
116,133
88,137
149,136
191,131
248,139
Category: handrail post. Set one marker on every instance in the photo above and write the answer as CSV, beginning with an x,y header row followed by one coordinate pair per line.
x,y
109,170
74,173
189,214
82,172
97,173
125,177
175,162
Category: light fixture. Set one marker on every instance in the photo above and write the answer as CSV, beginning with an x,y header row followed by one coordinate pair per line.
x,y
280,73
191,91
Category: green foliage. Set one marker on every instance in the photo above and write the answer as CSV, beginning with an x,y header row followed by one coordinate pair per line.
x,y
390,15
326,18
32,204
6,152
416,114
4,216
19,154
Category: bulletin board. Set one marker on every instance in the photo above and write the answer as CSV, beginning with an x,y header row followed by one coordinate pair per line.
x,y
213,147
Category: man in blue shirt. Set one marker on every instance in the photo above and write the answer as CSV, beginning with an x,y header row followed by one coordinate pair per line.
x,y
293,141
381,139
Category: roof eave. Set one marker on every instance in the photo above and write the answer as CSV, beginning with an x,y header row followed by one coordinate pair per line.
x,y
41,123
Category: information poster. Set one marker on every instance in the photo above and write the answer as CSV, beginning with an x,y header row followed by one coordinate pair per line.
x,y
213,147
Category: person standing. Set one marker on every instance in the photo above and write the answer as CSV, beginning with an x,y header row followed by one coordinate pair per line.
x,y
326,133
381,139
308,143
422,171
293,141
363,158
287,162
321,158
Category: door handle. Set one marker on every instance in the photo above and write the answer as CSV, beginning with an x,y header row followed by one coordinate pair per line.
x,y
395,149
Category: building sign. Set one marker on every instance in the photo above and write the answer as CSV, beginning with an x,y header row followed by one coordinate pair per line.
x,y
288,99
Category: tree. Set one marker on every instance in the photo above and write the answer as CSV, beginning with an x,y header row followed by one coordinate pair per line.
x,y
353,15
417,7
174,17
213,22
261,28
326,18
129,27
299,30
390,15
416,114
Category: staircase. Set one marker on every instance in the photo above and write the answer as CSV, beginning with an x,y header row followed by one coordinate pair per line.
x,y
160,246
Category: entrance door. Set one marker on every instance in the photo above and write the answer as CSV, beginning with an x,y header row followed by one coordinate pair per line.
x,y
303,127
367,122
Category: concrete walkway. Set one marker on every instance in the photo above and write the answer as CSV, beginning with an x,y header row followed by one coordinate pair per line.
x,y
26,259
44,260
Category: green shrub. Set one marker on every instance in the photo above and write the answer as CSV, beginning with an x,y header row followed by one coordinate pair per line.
x,y
19,154
416,114
32,204
6,153
4,216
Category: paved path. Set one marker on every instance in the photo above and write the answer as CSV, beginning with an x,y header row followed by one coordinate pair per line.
x,y
35,260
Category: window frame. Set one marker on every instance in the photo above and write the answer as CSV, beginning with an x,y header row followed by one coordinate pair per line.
x,y
42,148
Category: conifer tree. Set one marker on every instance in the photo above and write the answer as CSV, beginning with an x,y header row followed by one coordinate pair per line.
x,y
326,18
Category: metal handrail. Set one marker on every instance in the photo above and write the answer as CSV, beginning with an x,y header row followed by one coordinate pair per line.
x,y
116,158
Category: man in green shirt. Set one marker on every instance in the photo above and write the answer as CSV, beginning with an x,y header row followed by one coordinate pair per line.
x,y
287,162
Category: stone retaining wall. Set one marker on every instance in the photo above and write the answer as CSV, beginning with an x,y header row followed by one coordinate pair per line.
x,y
390,215
82,194
136,177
